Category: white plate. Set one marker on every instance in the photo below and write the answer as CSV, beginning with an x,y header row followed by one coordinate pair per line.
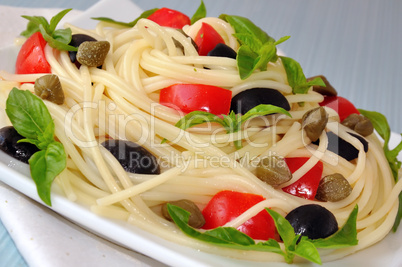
x,y
16,175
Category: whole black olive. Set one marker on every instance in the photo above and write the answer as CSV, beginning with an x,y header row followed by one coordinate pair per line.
x,y
313,221
9,138
248,99
222,50
343,148
76,40
133,157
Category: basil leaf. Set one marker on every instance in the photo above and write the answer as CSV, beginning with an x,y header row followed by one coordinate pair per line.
x,y
296,78
58,39
344,237
45,165
284,228
200,13
131,24
54,42
262,110
382,127
56,19
27,113
257,47
31,119
307,250
196,118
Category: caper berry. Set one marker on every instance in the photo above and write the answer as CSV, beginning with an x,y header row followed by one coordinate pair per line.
x,y
48,87
93,53
333,188
327,90
196,219
273,170
314,122
359,124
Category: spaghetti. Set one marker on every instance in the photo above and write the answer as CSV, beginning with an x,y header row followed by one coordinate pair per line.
x,y
120,101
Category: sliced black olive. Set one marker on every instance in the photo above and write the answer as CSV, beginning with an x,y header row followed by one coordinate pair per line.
x,y
133,157
248,99
343,148
196,218
9,138
76,40
327,90
222,50
313,221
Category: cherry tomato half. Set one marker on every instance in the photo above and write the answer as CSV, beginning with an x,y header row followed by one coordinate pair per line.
x,y
306,186
341,105
228,205
170,18
207,38
31,57
192,97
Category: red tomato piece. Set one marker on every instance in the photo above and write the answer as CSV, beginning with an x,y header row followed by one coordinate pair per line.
x,y
228,205
341,105
207,38
170,18
306,186
192,97
31,58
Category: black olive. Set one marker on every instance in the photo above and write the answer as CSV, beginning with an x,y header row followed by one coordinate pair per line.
x,y
222,50
248,99
343,148
313,221
9,138
133,157
76,40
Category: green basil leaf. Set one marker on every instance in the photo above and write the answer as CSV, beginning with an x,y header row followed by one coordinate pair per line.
x,y
200,13
131,24
244,25
54,42
231,235
307,250
380,124
28,113
56,19
344,237
45,165
246,61
249,40
282,39
262,110
34,20
62,35
267,53
284,228
195,118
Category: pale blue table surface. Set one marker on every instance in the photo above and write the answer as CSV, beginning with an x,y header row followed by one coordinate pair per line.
x,y
356,44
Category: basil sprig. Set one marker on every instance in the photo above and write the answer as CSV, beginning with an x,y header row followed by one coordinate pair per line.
x,y
58,39
199,14
382,127
296,78
294,244
232,122
257,48
31,119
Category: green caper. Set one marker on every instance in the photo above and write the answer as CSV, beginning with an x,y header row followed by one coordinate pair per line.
x,y
196,219
359,124
333,188
92,53
273,170
48,87
327,90
314,122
